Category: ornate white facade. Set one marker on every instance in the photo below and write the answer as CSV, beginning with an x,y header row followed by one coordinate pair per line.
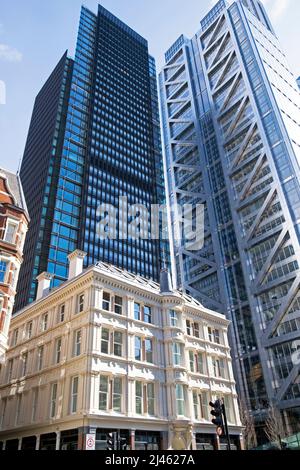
x,y
109,351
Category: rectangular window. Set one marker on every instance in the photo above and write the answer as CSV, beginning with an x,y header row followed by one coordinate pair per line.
x,y
10,232
103,393
217,336
3,267
57,350
105,341
200,403
149,351
15,337
138,348
118,343
77,343
151,399
80,303
29,330
139,398
3,411
44,323
177,354
147,314
10,370
61,313
218,367
74,394
188,328
180,400
196,330
200,363
197,405
214,335
173,318
117,395
228,403
137,311
118,305
18,409
40,358
192,361
35,398
53,400
106,301
205,406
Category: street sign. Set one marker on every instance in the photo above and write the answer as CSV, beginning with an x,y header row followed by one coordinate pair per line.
x,y
90,442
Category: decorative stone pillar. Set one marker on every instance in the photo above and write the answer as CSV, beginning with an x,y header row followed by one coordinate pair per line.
x,y
4,445
57,444
37,442
20,444
194,442
132,439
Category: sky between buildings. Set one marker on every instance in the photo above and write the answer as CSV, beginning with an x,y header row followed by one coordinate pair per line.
x,y
35,33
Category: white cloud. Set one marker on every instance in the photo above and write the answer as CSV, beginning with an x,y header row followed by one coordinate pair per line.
x,y
10,54
276,8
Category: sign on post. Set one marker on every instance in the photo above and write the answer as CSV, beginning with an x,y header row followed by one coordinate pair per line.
x,y
90,442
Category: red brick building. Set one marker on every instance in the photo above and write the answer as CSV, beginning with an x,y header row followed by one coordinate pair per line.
x,y
14,221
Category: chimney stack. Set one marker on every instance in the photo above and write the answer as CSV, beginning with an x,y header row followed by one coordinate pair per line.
x,y
165,282
44,280
76,263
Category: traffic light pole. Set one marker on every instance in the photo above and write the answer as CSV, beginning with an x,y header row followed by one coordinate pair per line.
x,y
226,426
118,440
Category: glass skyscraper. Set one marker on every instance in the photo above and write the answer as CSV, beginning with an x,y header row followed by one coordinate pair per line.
x,y
94,137
231,118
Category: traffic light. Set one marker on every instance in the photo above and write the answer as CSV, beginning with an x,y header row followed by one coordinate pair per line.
x,y
122,443
217,412
111,441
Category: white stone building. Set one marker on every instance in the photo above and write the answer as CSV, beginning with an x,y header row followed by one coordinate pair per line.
x,y
110,351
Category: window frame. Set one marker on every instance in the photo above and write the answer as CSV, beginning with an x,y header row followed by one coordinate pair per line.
x,y
74,394
58,350
117,304
107,302
173,316
5,272
44,322
61,313
53,400
176,354
15,223
80,302
180,399
77,344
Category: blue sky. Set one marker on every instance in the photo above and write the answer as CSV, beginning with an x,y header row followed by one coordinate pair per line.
x,y
35,33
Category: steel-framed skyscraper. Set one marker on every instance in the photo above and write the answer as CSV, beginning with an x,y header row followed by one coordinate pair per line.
x,y
94,137
231,117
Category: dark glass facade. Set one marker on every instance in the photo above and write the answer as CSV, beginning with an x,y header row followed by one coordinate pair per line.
x,y
104,143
